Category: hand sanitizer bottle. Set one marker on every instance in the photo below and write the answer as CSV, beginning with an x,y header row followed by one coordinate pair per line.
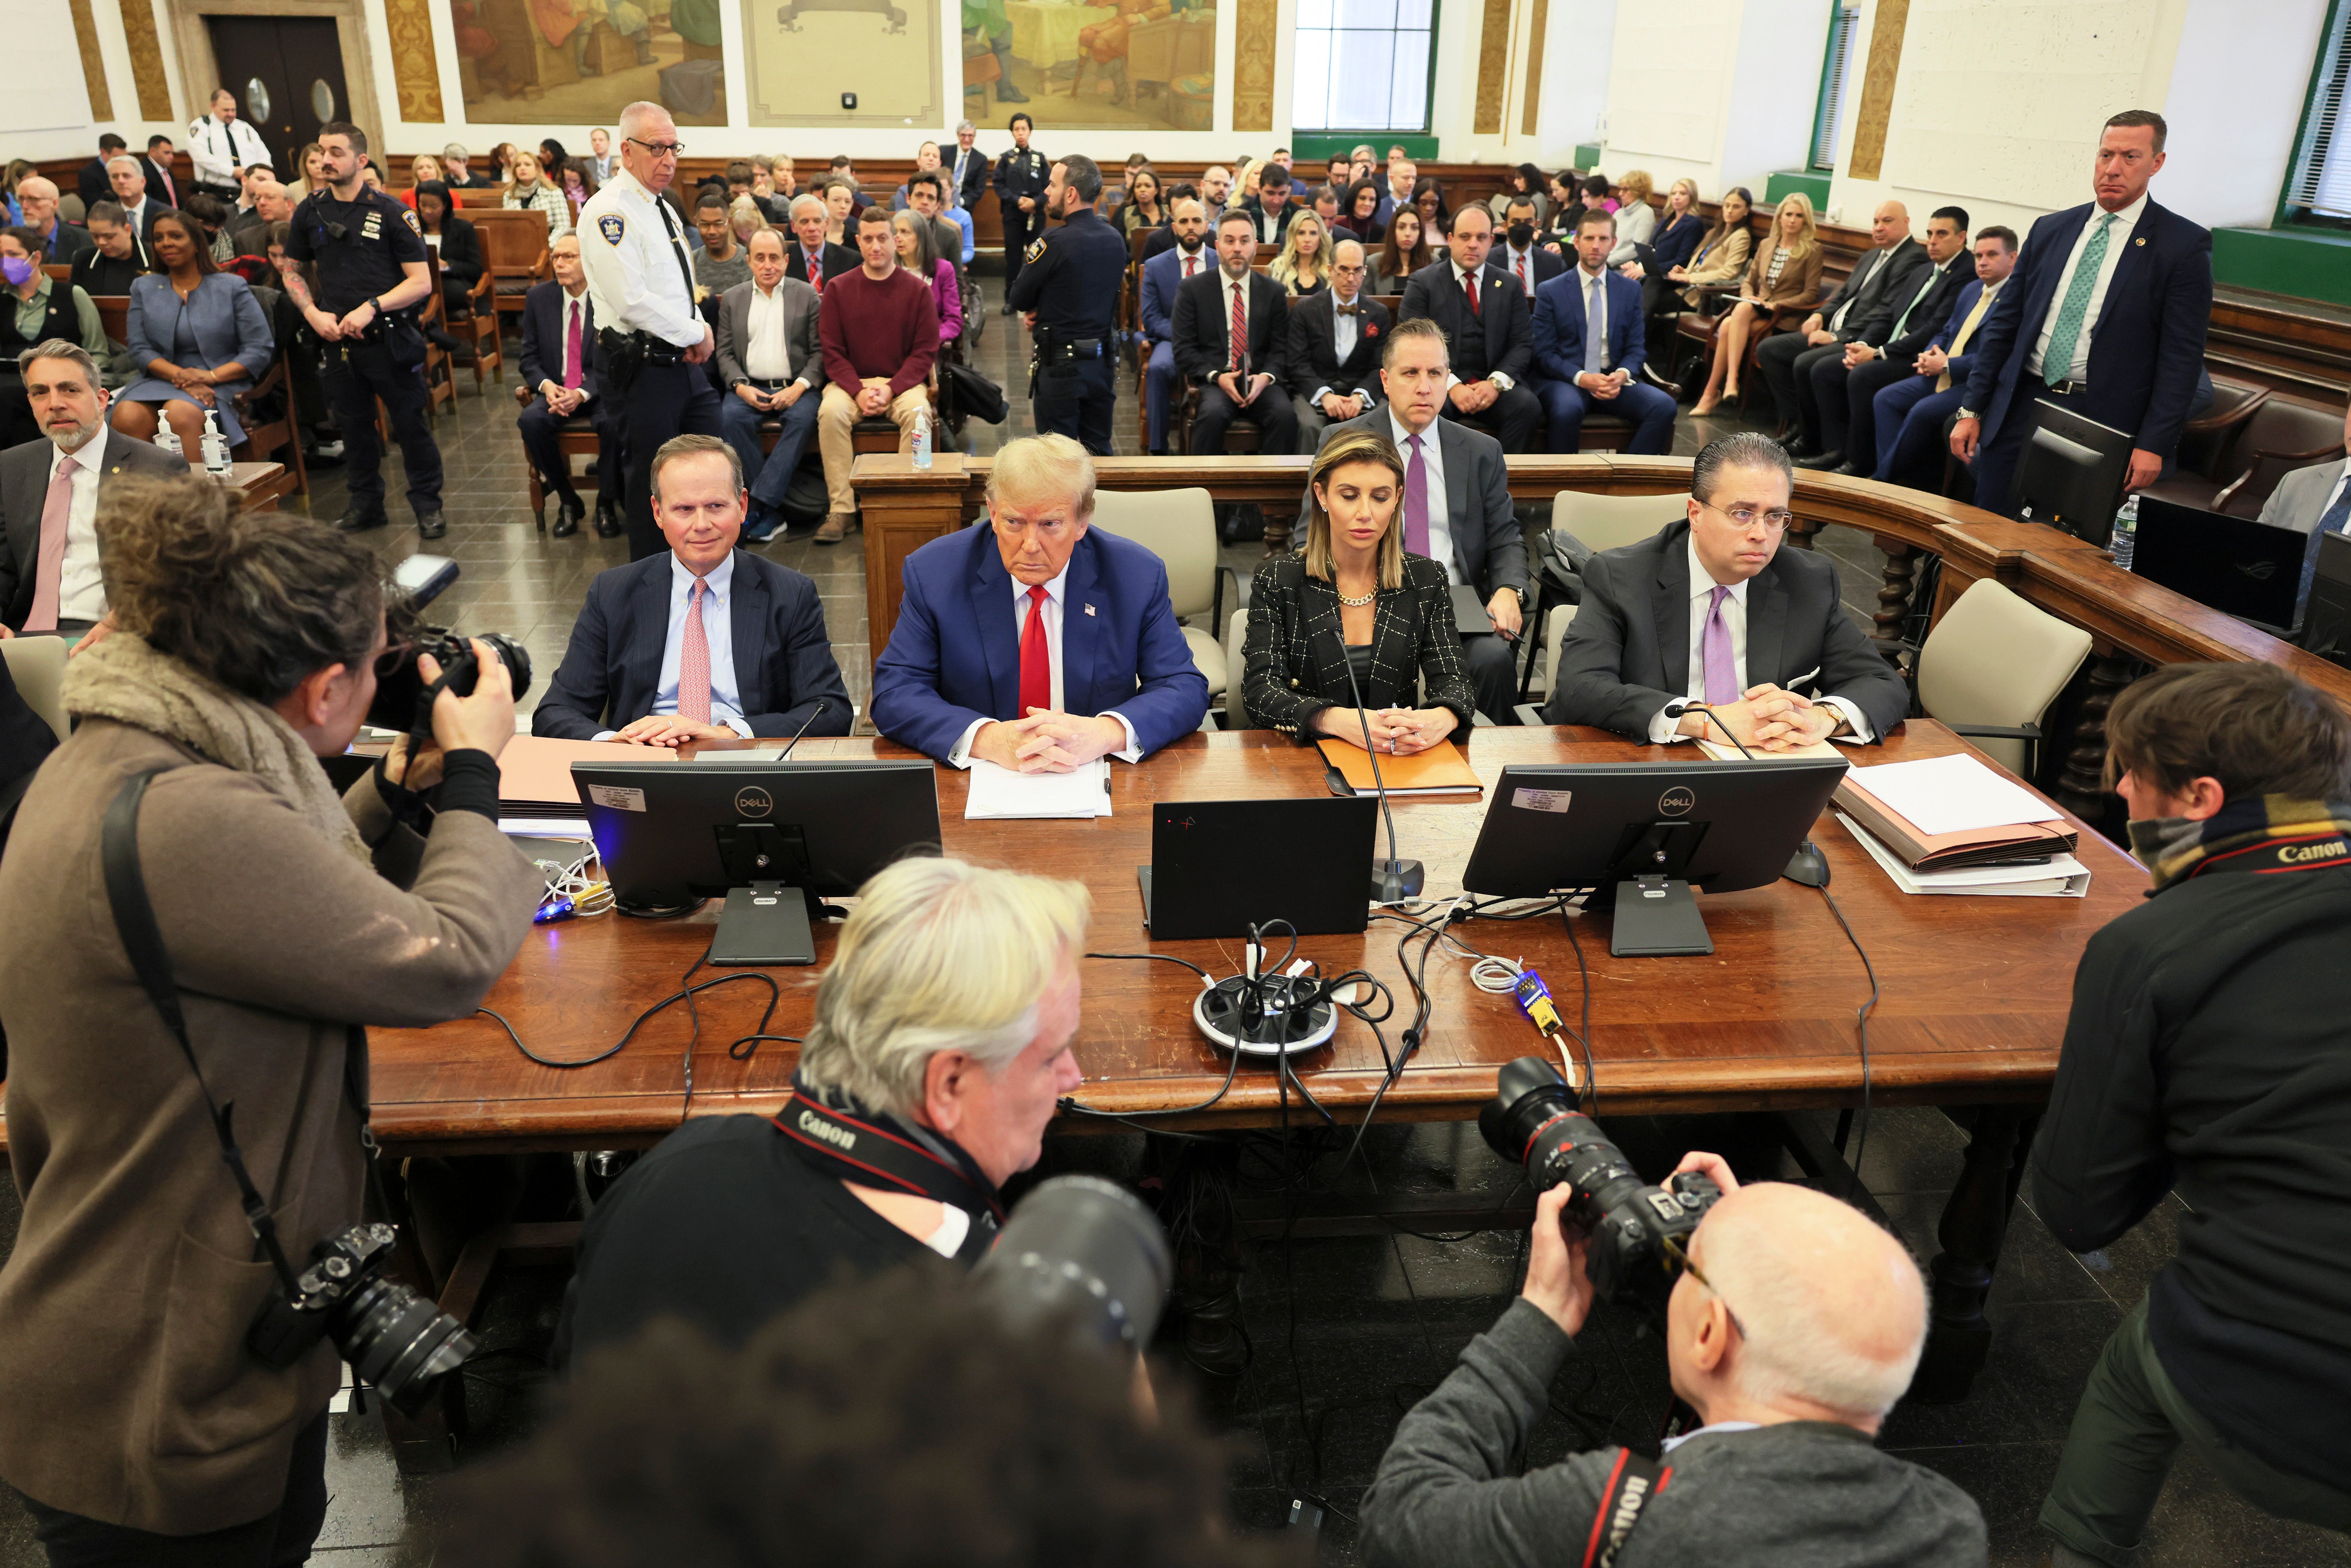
x,y
923,439
216,462
168,439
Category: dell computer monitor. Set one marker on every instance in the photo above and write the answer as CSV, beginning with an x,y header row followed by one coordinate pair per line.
x,y
670,832
1640,835
2071,474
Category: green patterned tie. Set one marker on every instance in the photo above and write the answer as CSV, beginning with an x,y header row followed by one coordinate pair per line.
x,y
2057,364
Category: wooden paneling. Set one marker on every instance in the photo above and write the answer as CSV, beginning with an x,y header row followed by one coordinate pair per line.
x,y
1493,67
1886,28
1254,29
93,63
147,64
1533,93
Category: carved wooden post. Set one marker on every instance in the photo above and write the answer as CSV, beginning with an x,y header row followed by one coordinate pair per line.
x,y
2081,787
1974,1224
1893,595
1279,525
905,508
1800,532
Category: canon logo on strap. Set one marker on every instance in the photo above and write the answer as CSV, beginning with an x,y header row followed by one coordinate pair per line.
x,y
817,1127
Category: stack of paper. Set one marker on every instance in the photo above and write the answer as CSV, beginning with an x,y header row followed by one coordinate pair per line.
x,y
536,794
2062,876
1001,792
1949,811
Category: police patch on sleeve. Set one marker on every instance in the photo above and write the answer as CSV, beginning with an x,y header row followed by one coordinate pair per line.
x,y
1036,249
612,227
412,220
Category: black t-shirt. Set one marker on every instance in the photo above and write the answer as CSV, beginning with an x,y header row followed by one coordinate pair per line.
x,y
377,237
725,1225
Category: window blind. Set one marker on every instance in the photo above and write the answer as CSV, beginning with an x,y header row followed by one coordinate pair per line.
x,y
2320,183
1825,126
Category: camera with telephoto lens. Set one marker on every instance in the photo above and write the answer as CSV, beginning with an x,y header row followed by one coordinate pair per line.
x,y
400,687
394,1339
1085,1249
1532,1118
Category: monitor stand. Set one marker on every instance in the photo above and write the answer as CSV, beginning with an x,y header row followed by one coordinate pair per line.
x,y
1657,916
764,923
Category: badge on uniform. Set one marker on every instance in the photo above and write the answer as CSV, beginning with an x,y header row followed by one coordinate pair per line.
x,y
413,223
1036,249
610,226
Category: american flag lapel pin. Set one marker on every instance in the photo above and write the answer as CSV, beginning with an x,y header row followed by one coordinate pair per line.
x,y
1090,610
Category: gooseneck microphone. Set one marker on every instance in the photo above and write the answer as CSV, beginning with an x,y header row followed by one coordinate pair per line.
x,y
1393,878
795,740
1675,710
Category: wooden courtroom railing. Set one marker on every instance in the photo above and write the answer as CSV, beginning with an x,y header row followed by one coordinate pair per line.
x,y
2130,619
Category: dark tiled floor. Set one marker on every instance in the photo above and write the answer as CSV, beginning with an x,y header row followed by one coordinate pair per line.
x,y
1347,1333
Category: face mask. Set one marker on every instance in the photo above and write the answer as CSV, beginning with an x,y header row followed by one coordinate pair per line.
x,y
17,270
1521,236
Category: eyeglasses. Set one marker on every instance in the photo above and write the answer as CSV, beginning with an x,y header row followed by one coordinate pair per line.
x,y
1748,517
1674,1251
660,148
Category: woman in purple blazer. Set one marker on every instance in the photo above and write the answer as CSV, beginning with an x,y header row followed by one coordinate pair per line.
x,y
918,253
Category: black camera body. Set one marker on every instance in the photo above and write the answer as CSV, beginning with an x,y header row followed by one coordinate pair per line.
x,y
1532,1118
394,1339
400,700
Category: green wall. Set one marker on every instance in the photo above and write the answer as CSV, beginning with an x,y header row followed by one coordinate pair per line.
x,y
2309,264
1319,146
1815,185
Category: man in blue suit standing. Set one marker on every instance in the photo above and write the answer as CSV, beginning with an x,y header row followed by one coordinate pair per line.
x,y
1908,416
1163,275
703,642
2105,316
1584,370
1037,643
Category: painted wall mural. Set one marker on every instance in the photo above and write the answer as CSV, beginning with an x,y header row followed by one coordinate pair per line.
x,y
1148,64
582,61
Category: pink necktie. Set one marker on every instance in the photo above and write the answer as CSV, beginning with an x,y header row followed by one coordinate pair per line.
x,y
1416,502
1241,329
1714,653
694,661
571,347
48,570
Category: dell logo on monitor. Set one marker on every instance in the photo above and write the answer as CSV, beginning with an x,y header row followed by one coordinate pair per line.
x,y
1676,800
754,803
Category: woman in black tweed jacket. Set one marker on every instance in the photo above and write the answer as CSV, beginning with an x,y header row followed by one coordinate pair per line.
x,y
1353,596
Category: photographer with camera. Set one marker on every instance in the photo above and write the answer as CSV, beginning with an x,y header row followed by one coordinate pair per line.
x,y
1792,1326
204,923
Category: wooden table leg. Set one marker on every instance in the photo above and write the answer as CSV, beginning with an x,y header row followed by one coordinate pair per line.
x,y
1197,1182
1800,532
1277,529
1974,1224
1893,595
2081,787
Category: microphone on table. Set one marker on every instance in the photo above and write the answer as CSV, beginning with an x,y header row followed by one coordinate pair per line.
x,y
1675,710
1393,878
795,740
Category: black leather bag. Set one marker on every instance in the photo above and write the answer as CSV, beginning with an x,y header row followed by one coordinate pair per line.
x,y
976,395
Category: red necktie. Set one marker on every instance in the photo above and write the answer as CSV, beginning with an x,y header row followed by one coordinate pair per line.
x,y
1191,265
571,347
1522,276
694,661
49,564
816,274
1240,333
1470,286
1035,662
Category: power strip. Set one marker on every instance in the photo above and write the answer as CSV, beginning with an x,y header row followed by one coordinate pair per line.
x,y
1283,1029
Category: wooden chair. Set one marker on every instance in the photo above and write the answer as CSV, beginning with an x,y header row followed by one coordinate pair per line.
x,y
440,368
274,440
2282,437
114,315
478,328
572,441
57,271
515,251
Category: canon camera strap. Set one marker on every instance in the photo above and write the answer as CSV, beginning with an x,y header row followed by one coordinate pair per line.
x,y
852,1144
1631,1485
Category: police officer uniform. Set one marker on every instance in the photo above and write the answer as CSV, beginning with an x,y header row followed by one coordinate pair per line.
x,y
358,248
641,283
1019,174
219,154
1072,278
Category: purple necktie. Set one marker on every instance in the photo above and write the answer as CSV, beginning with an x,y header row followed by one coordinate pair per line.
x,y
1721,673
1416,502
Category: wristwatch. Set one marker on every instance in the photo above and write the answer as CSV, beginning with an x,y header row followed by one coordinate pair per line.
x,y
1969,413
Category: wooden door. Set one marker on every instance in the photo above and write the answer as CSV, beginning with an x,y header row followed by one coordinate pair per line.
x,y
288,75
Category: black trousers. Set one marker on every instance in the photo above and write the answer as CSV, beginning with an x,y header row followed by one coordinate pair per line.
x,y
1077,399
1493,674
1850,426
1019,228
355,376
1270,410
1788,364
1514,419
664,401
282,1536
541,428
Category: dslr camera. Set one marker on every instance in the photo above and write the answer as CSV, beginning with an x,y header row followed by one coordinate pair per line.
x,y
393,1338
1087,1253
400,687
1533,1118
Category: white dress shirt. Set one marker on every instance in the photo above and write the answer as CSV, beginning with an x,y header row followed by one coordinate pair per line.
x,y
211,145
2118,235
1055,593
1662,729
81,592
1432,456
633,266
1343,345
768,353
717,632
1484,285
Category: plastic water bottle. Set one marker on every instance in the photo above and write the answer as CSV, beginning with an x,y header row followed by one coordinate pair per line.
x,y
923,439
169,440
2124,540
216,462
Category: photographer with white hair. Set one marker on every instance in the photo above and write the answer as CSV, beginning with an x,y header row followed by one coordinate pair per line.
x,y
1792,1330
940,1049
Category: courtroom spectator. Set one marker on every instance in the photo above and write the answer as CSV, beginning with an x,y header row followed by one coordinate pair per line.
x,y
457,177
1908,415
553,155
1359,213
738,178
1268,210
1144,208
1403,251
560,358
573,175
1402,179
916,244
814,259
1303,266
1677,618
422,169
249,226
1521,254
211,217
195,334
721,262
1252,180
1340,169
1188,255
1232,340
532,191
94,181
1436,213
771,363
762,662
926,160
968,170
2147,338
744,216
1785,272
1525,180
36,308
771,175
1487,326
1456,503
601,160
115,256
140,207
1216,186
880,328
61,242
1675,240
306,164
1335,341
157,166
1324,201
1719,258
2311,499
1880,279
1636,221
840,199
1353,601
1591,345
951,232
1599,193
2203,1057
1843,391
1002,598
458,246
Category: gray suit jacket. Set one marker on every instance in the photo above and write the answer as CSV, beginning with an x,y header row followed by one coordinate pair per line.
x,y
24,488
2301,497
800,326
1489,553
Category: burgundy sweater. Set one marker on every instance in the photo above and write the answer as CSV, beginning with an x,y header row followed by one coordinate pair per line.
x,y
887,328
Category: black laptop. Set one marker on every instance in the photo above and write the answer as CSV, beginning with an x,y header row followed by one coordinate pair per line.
x,y
2256,572
1219,866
